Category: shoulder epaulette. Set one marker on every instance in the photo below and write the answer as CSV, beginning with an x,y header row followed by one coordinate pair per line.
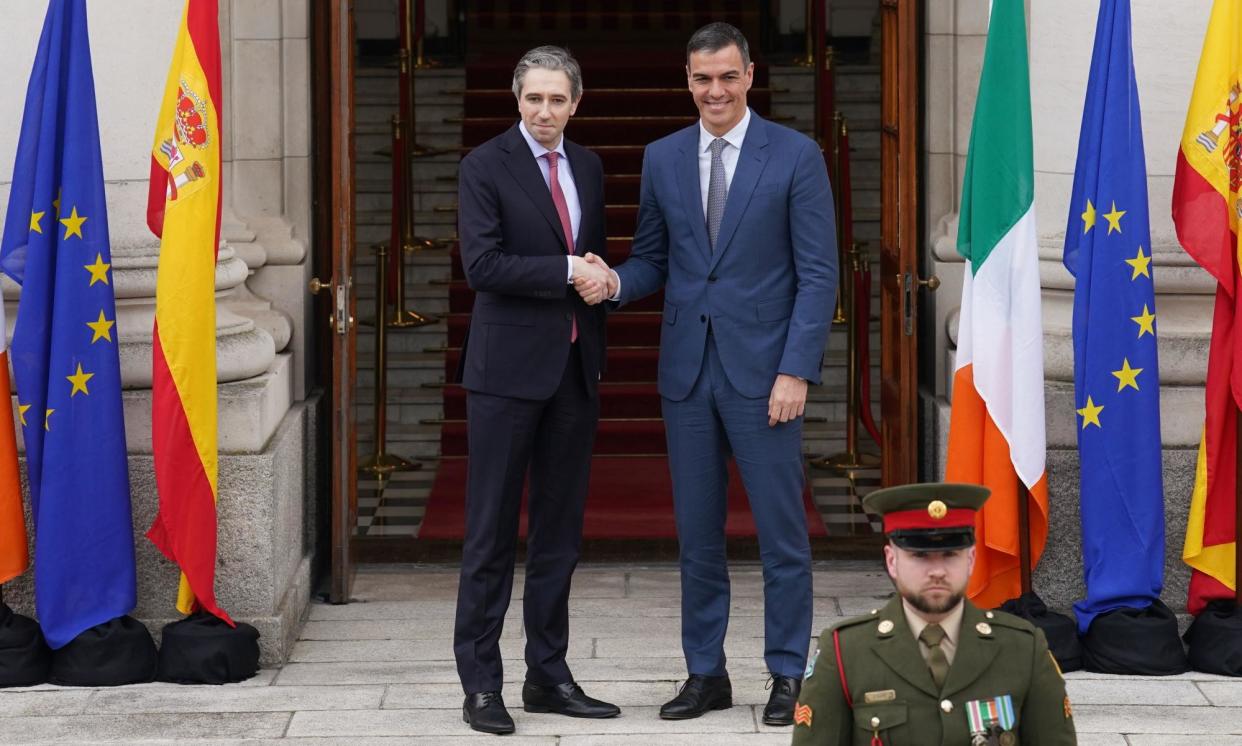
x,y
853,621
1009,621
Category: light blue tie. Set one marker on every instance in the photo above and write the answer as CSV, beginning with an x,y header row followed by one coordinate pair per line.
x,y
717,192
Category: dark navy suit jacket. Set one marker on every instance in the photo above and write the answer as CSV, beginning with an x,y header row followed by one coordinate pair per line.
x,y
767,290
513,251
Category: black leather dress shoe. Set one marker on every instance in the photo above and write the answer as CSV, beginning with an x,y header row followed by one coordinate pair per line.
x,y
698,695
781,702
486,713
565,699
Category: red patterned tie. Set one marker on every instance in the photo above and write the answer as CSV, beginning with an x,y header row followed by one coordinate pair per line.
x,y
562,210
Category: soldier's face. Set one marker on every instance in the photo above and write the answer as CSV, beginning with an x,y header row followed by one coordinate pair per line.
x,y
932,582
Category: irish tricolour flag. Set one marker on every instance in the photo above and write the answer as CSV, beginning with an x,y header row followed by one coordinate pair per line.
x,y
996,434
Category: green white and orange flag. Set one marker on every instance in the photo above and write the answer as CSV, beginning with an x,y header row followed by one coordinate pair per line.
x,y
996,431
1207,204
14,555
183,208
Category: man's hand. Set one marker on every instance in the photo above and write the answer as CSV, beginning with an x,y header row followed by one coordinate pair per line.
x,y
614,282
788,399
593,280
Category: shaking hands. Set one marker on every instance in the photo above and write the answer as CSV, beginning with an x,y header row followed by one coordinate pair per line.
x,y
593,280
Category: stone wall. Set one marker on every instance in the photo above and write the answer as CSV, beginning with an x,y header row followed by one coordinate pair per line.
x,y
1167,39
267,432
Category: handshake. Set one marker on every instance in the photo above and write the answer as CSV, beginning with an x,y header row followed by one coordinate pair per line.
x,y
593,280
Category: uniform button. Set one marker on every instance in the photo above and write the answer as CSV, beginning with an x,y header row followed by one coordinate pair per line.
x,y
875,722
946,705
703,319
569,316
711,278
990,615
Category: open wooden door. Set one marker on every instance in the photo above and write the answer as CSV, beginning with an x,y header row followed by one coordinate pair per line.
x,y
334,107
899,240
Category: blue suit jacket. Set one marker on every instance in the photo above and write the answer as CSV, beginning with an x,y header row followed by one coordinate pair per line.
x,y
769,287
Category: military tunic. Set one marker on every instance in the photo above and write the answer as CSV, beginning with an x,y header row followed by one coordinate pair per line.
x,y
894,697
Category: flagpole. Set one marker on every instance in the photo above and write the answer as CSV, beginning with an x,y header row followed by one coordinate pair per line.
x,y
1024,536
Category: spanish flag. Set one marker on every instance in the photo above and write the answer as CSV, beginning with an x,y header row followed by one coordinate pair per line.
x,y
183,209
996,427
1206,207
14,555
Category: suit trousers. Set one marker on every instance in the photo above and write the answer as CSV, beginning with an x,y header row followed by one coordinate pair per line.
x,y
712,423
507,437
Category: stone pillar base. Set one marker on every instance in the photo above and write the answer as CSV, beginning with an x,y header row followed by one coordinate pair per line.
x,y
1059,576
266,523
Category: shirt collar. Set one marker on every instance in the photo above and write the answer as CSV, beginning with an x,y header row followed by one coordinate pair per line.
x,y
952,624
536,148
734,137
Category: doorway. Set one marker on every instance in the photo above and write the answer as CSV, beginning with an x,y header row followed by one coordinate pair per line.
x,y
408,514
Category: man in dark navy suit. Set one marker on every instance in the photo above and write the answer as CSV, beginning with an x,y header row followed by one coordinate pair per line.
x,y
531,206
735,224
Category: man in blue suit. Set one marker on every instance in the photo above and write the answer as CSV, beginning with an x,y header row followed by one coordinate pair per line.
x,y
735,223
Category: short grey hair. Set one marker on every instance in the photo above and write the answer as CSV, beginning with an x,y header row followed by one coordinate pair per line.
x,y
716,36
549,58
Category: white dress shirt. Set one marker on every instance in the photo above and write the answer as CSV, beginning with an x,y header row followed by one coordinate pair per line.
x,y
728,156
564,177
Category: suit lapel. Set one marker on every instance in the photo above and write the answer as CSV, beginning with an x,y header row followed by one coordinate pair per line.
x,y
975,651
750,163
525,171
585,184
899,650
692,191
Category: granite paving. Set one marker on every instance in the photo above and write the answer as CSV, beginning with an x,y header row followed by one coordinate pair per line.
x,y
380,671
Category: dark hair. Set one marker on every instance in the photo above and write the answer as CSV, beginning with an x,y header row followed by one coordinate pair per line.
x,y
716,36
549,58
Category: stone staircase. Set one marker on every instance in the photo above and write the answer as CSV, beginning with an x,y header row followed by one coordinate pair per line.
x,y
858,100
415,364
416,369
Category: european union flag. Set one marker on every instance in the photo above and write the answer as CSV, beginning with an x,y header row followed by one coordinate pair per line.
x,y
1116,376
64,352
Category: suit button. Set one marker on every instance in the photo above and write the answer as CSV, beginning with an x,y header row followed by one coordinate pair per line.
x,y
703,319
711,278
569,317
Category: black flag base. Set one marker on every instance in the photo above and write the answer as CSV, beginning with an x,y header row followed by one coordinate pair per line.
x,y
1215,639
114,653
1135,641
1061,631
24,655
203,649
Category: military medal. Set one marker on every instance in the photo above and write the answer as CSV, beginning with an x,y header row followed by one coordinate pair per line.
x,y
991,721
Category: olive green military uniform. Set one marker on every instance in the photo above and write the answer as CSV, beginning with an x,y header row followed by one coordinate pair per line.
x,y
895,698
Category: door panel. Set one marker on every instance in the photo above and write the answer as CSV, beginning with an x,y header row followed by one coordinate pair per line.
x,y
899,240
344,520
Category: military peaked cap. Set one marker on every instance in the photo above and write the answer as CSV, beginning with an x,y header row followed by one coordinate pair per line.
x,y
929,517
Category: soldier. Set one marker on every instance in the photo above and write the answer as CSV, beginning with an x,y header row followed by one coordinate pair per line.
x,y
931,667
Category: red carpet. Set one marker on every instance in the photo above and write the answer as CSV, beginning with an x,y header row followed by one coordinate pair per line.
x,y
630,498
632,98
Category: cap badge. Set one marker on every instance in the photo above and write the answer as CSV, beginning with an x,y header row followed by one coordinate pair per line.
x,y
937,509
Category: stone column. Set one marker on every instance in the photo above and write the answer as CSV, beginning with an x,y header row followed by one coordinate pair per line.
x,y
1167,41
266,435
